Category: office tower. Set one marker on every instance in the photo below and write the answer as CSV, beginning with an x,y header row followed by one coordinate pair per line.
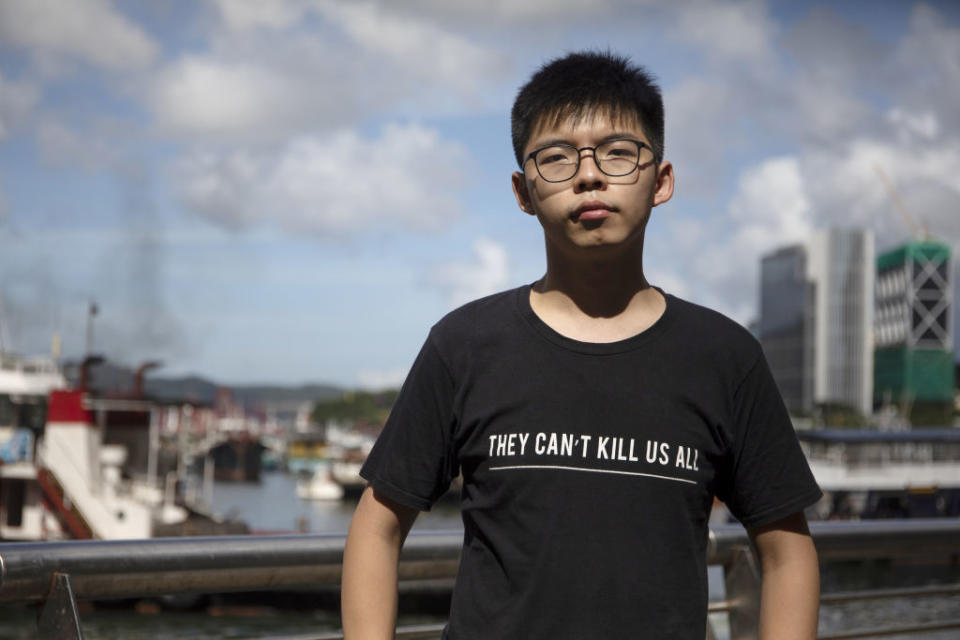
x,y
816,320
785,325
840,262
914,330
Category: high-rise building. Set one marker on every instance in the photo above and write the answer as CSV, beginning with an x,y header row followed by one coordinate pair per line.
x,y
785,325
914,328
816,320
840,262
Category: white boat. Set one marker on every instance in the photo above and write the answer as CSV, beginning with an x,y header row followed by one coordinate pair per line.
x,y
25,384
64,472
320,485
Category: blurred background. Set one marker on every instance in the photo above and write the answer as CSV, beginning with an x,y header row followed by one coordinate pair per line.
x,y
294,192
227,226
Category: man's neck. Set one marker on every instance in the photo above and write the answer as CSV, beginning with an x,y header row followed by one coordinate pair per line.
x,y
601,300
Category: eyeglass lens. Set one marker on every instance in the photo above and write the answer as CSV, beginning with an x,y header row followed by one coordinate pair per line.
x,y
614,158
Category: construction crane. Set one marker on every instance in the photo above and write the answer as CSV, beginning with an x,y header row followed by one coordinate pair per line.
x,y
920,231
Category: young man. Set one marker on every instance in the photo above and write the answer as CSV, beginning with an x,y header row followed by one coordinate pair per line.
x,y
592,416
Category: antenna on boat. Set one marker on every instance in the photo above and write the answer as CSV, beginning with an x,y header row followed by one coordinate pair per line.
x,y
91,312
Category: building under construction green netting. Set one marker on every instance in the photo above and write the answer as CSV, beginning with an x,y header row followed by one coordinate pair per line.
x,y
913,361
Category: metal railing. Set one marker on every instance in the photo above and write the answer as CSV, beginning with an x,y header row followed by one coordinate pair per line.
x,y
54,575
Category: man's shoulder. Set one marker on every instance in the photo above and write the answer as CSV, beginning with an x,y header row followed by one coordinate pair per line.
x,y
711,330
490,314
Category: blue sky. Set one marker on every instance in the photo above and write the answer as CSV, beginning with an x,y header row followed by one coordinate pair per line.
x,y
295,191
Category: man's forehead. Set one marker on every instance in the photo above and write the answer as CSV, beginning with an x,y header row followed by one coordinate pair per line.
x,y
560,124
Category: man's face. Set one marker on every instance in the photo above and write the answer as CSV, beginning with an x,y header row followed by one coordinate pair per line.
x,y
592,209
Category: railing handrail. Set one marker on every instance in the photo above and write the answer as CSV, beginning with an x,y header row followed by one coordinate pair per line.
x,y
849,539
139,568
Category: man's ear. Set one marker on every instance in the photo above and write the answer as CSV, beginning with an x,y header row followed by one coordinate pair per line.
x,y
521,192
663,189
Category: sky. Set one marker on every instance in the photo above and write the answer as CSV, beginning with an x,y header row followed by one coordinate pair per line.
x,y
295,191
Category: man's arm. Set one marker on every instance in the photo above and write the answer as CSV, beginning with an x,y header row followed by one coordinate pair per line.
x,y
790,597
369,584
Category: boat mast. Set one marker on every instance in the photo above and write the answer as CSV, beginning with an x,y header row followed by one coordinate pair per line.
x,y
92,311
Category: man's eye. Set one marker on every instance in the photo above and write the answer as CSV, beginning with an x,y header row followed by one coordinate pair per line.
x,y
622,151
553,156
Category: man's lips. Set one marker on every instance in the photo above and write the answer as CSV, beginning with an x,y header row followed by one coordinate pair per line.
x,y
592,210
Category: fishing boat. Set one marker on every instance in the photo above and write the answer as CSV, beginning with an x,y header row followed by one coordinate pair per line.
x,y
77,465
25,384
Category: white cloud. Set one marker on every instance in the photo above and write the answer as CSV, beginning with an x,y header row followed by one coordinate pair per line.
x,y
416,45
924,176
925,69
90,29
275,70
781,200
770,209
727,31
222,188
503,11
826,113
333,186
464,280
17,99
243,99
242,15
815,97
913,125
771,201
699,120
752,95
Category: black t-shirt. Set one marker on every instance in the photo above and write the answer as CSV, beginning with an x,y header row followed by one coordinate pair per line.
x,y
589,469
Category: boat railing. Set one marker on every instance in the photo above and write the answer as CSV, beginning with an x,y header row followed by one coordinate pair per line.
x,y
54,575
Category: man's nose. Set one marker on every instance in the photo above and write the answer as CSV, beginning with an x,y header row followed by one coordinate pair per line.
x,y
589,176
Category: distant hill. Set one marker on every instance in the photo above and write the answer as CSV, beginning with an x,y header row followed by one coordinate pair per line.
x,y
109,378
274,394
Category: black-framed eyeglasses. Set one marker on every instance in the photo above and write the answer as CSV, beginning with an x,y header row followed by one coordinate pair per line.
x,y
617,157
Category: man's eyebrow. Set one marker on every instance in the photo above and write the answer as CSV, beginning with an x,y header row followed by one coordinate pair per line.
x,y
622,135
616,135
551,142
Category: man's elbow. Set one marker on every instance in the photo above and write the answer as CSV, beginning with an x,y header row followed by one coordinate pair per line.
x,y
785,542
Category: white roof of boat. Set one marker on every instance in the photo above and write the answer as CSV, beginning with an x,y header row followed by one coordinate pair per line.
x,y
20,375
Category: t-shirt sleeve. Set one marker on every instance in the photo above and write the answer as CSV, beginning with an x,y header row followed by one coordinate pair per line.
x,y
412,461
769,477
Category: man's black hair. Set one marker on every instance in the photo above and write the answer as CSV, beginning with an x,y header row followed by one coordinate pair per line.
x,y
583,83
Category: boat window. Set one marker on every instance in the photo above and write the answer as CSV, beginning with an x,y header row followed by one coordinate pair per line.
x,y
33,414
8,411
15,491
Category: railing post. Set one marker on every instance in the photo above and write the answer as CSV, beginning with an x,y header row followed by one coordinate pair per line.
x,y
59,618
742,580
710,635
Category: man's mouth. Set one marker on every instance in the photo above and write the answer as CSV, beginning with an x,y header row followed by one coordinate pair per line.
x,y
592,210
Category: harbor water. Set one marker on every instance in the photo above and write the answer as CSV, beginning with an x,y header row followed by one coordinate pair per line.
x,y
273,506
